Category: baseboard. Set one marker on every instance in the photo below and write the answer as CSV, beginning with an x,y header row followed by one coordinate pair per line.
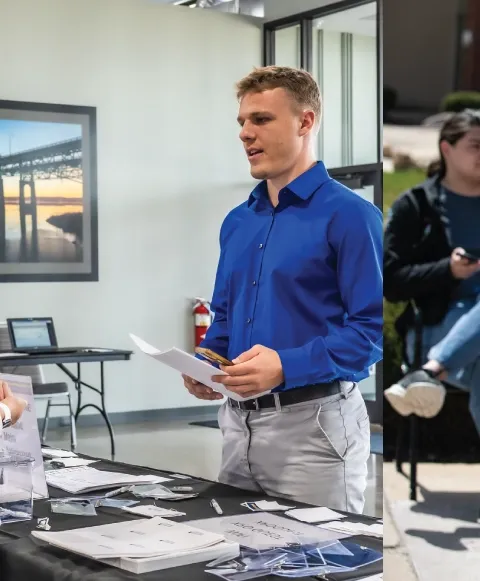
x,y
188,414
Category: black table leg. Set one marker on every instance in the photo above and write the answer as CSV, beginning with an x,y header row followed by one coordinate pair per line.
x,y
78,387
105,415
413,456
101,392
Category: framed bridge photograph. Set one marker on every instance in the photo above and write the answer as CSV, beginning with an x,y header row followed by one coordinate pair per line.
x,y
48,193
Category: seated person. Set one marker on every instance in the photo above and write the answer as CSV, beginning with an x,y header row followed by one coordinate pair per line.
x,y
429,230
14,405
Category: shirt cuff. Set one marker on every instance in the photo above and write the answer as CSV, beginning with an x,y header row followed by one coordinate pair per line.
x,y
296,366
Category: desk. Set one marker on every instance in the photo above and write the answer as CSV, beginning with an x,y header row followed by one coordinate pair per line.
x,y
83,355
23,557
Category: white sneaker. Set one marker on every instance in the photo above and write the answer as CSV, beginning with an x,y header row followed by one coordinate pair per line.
x,y
419,393
396,395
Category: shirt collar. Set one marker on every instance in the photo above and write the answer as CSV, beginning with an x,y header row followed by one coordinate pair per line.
x,y
303,186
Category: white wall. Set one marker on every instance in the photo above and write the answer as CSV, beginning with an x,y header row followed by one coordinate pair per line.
x,y
170,166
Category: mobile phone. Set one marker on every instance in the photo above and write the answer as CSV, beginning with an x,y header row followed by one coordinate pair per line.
x,y
212,356
469,256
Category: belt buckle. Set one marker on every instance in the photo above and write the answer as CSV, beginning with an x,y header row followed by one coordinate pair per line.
x,y
256,404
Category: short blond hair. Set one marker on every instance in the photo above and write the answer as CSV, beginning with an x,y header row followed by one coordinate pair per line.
x,y
299,83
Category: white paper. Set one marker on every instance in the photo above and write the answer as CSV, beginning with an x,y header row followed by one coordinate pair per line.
x,y
355,528
266,505
140,538
151,511
54,453
263,530
189,365
73,462
86,479
23,438
314,515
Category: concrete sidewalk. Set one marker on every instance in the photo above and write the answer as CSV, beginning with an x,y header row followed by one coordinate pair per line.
x,y
420,143
439,535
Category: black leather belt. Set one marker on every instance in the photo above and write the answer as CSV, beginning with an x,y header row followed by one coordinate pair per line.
x,y
290,397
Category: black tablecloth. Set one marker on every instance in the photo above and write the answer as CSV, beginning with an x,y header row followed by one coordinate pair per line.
x,y
24,558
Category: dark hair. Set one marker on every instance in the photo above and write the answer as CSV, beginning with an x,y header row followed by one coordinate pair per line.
x,y
456,127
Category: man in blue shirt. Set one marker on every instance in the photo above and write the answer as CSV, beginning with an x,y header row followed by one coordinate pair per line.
x,y
298,308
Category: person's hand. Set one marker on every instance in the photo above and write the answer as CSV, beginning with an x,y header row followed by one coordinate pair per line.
x,y
257,370
199,390
16,405
461,268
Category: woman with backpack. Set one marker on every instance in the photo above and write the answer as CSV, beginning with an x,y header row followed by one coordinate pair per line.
x,y
432,260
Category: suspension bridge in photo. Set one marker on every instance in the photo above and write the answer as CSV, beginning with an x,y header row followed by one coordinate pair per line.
x,y
61,160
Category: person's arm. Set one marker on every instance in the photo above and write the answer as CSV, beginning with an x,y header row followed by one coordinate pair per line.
x,y
405,280
356,239
15,404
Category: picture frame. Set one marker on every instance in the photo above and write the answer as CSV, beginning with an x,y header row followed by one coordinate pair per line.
x,y
48,192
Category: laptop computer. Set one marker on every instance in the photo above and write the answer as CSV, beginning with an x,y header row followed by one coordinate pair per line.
x,y
35,335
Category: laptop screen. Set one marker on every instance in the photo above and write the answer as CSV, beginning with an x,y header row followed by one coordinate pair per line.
x,y
31,333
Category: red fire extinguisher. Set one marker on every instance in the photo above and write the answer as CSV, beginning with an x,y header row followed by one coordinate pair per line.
x,y
203,319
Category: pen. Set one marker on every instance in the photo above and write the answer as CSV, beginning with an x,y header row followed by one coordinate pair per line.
x,y
216,507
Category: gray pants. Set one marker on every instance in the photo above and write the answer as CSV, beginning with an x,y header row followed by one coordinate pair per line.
x,y
314,452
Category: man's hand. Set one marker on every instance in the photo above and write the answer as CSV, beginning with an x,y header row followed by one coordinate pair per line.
x,y
199,390
16,405
257,370
461,268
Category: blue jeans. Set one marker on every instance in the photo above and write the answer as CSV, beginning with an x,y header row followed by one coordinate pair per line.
x,y
455,343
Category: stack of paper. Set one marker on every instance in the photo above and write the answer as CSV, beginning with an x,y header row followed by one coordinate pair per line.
x,y
143,545
72,462
191,366
314,515
355,528
265,505
54,453
87,479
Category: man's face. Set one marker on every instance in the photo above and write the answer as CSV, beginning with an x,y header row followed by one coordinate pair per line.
x,y
464,157
271,131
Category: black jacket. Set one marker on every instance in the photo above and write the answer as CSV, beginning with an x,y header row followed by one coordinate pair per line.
x,y
417,255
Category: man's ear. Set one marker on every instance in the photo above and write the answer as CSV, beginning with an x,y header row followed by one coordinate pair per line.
x,y
308,122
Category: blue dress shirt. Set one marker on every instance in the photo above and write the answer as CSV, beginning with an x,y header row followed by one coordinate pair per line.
x,y
303,278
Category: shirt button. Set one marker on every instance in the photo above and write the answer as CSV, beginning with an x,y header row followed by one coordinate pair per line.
x,y
249,321
260,245
254,282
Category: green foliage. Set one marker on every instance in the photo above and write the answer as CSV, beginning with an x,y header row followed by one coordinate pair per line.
x,y
461,100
